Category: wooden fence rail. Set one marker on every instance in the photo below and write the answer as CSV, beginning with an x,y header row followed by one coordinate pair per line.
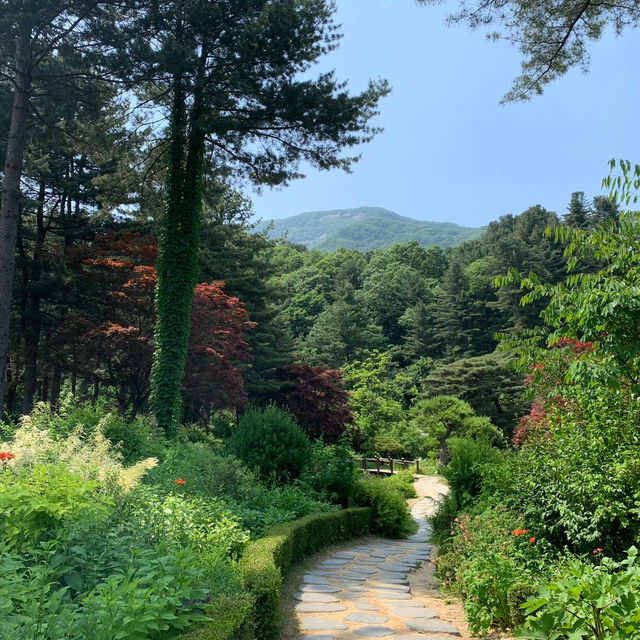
x,y
389,462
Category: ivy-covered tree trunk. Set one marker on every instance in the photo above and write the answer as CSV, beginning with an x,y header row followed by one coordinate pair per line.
x,y
9,203
178,254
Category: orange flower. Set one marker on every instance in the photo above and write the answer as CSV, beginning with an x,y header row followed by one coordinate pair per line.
x,y
532,540
180,481
519,532
597,551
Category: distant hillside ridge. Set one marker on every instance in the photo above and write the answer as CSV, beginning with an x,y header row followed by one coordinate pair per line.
x,y
366,229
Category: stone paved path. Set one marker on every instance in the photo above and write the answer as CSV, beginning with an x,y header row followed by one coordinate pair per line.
x,y
363,591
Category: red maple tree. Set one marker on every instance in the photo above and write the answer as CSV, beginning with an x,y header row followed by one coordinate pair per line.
x,y
316,397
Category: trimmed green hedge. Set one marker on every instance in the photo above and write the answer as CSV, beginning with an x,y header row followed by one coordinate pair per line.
x,y
267,560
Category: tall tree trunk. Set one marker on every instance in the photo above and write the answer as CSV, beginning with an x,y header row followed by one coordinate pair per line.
x,y
44,389
178,254
33,321
9,211
56,384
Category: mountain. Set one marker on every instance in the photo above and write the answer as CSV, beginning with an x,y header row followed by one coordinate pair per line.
x,y
366,229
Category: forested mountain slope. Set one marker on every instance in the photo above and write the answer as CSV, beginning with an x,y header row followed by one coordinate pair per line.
x,y
366,229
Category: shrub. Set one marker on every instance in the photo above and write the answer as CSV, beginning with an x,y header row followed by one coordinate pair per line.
x,y
517,595
403,482
487,555
389,511
471,460
270,441
442,520
332,472
206,472
581,481
134,438
89,455
266,560
268,507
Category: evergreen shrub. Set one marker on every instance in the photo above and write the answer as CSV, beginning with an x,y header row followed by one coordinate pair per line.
x,y
389,510
266,560
270,441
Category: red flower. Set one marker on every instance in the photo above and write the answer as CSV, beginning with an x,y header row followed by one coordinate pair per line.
x,y
5,456
532,540
180,481
519,532
597,551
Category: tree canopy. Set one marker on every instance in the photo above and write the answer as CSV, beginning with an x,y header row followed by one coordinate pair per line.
x,y
552,35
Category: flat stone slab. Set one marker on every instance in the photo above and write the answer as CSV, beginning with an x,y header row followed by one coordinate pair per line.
x,y
352,596
406,603
353,585
320,624
414,612
361,577
374,632
369,618
387,580
392,595
319,588
367,570
316,637
433,626
315,597
343,555
312,579
399,588
393,576
333,562
394,568
310,607
367,606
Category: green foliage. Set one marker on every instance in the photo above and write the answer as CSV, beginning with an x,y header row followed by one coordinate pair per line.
x,y
376,398
580,479
517,595
217,477
486,382
486,556
389,511
152,597
267,560
596,307
471,462
33,505
332,471
270,441
206,473
588,601
402,481
442,417
181,521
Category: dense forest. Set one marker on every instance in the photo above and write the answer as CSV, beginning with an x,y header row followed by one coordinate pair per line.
x,y
186,400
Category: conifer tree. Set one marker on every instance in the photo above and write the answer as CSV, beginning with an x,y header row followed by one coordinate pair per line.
x,y
228,77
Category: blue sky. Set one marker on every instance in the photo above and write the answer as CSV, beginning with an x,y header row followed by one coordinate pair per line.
x,y
449,150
